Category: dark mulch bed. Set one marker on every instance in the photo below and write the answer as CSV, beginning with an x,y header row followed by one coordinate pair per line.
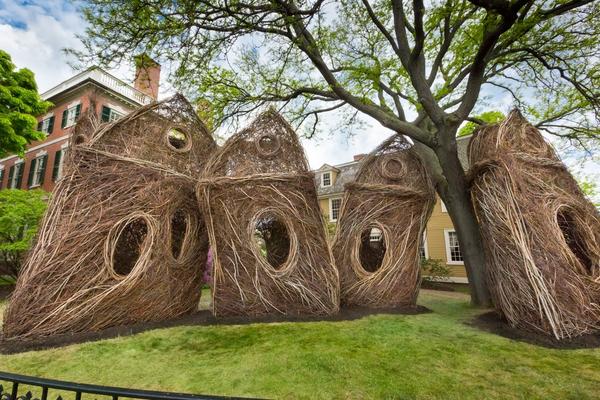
x,y
492,322
204,318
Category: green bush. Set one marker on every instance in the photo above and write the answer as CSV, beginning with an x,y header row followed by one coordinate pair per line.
x,y
434,270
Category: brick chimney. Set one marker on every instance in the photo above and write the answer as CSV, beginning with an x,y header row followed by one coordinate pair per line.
x,y
358,157
147,75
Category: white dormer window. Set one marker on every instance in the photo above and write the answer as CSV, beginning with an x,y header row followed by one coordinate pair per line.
x,y
326,179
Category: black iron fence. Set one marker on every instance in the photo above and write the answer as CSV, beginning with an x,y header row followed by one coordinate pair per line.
x,y
32,388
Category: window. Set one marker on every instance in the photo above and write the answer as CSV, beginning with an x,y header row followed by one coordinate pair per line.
x,y
15,174
423,247
326,179
444,209
70,115
375,235
334,208
1,177
59,162
46,125
37,171
110,114
453,253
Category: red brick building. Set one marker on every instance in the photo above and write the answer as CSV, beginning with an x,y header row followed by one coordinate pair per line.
x,y
110,98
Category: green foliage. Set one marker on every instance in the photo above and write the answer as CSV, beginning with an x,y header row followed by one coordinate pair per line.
x,y
20,213
384,356
434,270
20,103
590,189
489,117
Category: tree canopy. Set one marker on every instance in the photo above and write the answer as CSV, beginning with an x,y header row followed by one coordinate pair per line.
x,y
419,69
20,104
20,213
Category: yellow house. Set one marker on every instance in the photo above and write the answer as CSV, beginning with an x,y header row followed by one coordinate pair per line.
x,y
440,241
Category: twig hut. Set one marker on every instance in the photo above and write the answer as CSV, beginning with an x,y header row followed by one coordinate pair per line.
x,y
381,223
541,235
265,227
122,240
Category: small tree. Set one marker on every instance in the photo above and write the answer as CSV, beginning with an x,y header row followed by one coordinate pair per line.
x,y
20,103
20,213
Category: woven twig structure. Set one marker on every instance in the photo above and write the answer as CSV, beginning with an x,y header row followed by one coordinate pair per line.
x,y
541,235
265,227
122,240
380,226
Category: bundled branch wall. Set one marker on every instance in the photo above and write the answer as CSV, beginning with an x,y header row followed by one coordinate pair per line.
x,y
265,227
122,240
380,227
541,235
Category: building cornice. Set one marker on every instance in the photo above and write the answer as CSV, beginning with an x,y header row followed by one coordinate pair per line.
x,y
39,146
102,78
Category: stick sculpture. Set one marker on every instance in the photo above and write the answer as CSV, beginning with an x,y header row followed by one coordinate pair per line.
x,y
541,235
265,227
381,223
122,240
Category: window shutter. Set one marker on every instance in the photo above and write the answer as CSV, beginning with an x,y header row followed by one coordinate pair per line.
x,y
31,170
11,173
64,119
40,125
56,166
44,161
105,114
51,125
77,111
20,175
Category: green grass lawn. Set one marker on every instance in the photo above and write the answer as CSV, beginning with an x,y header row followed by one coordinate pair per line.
x,y
423,356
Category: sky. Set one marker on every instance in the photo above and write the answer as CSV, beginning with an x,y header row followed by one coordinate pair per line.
x,y
34,32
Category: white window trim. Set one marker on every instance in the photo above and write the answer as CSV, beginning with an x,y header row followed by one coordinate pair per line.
x,y
21,163
46,122
425,245
36,178
331,208
448,253
323,179
444,209
61,163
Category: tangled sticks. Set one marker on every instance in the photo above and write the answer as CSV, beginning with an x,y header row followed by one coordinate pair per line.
x,y
122,240
265,227
541,236
381,223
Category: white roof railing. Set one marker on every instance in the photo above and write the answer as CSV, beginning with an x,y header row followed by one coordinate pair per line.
x,y
103,78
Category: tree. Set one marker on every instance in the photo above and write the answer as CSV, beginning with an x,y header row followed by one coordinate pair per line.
x,y
20,104
20,213
418,70
488,117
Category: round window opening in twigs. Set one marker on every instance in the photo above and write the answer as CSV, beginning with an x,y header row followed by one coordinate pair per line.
x,y
272,240
178,140
267,145
179,228
574,240
393,168
128,246
372,248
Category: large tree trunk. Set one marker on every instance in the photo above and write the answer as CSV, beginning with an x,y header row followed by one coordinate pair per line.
x,y
454,192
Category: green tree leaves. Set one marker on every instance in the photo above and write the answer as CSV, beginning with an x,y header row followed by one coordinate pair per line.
x,y
20,213
20,103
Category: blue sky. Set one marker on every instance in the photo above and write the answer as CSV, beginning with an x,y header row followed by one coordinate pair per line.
x,y
34,33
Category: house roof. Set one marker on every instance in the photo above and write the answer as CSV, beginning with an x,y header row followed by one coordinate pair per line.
x,y
347,171
102,78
